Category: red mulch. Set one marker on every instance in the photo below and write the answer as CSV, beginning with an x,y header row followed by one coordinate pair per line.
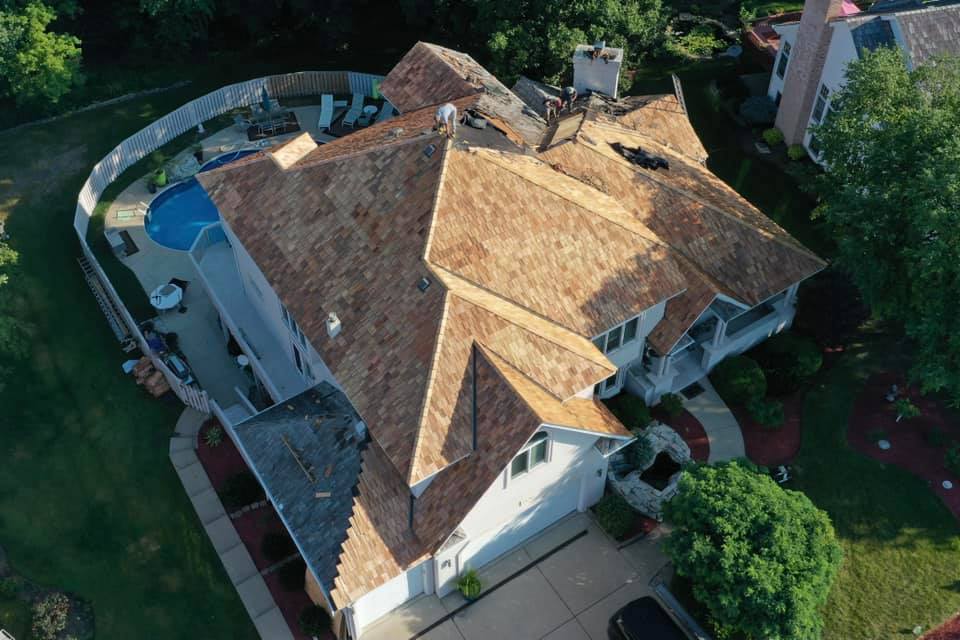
x,y
642,525
690,430
222,461
909,450
949,630
772,447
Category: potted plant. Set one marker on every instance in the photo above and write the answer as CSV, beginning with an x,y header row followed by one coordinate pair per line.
x,y
197,150
160,178
469,585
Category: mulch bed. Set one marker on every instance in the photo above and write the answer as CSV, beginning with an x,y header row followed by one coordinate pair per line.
x,y
253,526
772,447
291,604
949,630
690,430
910,450
222,461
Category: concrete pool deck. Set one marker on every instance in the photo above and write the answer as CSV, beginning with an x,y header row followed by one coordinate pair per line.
x,y
201,339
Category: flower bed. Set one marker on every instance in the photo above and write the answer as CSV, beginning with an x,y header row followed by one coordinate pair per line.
x,y
911,445
690,430
772,447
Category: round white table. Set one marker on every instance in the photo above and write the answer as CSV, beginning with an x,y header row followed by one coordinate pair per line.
x,y
166,296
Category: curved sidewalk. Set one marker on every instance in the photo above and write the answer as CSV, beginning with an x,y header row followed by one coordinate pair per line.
x,y
723,430
248,582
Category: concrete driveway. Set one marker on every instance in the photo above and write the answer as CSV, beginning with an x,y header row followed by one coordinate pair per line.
x,y
569,595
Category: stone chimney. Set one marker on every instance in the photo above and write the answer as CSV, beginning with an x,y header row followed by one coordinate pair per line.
x,y
807,57
596,67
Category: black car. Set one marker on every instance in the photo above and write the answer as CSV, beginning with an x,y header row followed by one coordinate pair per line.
x,y
643,619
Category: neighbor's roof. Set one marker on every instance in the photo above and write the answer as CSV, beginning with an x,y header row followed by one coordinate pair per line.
x,y
429,75
307,452
925,30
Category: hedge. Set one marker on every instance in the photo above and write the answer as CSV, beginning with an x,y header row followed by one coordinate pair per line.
x,y
739,380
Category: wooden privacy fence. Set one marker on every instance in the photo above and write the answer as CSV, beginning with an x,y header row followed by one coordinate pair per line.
x,y
175,123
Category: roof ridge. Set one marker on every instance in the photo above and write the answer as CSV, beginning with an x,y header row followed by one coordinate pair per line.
x,y
792,244
489,155
444,272
379,146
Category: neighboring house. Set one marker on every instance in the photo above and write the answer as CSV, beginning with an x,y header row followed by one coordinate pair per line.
x,y
814,53
472,299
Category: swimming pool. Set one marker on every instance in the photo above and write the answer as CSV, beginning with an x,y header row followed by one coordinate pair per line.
x,y
178,214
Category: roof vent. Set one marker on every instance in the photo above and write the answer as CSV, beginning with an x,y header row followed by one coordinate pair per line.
x,y
424,284
429,150
333,325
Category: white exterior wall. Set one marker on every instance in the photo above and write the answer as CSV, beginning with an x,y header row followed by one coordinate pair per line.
x,y
266,303
512,510
834,75
632,351
788,33
392,594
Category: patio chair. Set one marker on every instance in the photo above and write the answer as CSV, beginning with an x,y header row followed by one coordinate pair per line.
x,y
241,123
356,108
386,113
326,112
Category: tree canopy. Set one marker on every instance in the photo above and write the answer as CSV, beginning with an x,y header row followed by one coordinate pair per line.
x,y
760,559
891,198
36,65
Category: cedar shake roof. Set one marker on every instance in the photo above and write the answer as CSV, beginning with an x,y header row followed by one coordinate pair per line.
x,y
662,118
429,75
526,258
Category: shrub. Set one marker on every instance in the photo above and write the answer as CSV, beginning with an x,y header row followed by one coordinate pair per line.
x,y
213,436
906,409
758,110
9,588
469,584
767,413
672,404
952,459
767,569
700,41
615,515
739,380
935,437
239,490
773,136
630,410
789,360
639,453
50,616
830,308
314,620
796,152
277,546
292,575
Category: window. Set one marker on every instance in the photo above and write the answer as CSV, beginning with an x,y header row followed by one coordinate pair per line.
x,y
610,382
784,59
599,342
820,107
297,359
285,315
533,455
630,330
613,339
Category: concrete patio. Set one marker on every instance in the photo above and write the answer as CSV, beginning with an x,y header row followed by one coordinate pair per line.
x,y
569,595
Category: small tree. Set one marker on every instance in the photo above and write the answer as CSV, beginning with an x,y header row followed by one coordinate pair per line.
x,y
760,559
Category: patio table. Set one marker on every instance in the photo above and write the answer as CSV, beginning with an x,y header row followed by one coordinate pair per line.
x,y
166,297
368,112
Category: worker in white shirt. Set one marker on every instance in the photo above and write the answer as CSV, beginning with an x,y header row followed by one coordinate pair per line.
x,y
446,120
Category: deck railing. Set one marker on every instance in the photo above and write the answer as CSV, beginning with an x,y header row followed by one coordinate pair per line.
x,y
175,123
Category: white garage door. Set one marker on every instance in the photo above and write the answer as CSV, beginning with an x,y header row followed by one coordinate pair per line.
x,y
528,523
388,597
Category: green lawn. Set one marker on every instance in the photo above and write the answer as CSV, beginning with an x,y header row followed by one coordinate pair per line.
x,y
901,545
89,501
15,618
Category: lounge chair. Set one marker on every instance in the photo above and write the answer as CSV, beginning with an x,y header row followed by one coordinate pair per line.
x,y
356,108
326,112
386,112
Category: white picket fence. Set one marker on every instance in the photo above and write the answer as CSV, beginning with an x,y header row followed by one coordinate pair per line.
x,y
175,123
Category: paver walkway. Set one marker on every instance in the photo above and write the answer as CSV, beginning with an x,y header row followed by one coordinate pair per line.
x,y
723,430
253,591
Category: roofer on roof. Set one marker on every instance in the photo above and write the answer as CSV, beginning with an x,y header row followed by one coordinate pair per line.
x,y
446,119
552,106
568,97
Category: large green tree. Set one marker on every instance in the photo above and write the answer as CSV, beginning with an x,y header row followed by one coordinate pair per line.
x,y
36,65
891,198
537,37
760,559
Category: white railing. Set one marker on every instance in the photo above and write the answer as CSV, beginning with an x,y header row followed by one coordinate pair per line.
x,y
175,123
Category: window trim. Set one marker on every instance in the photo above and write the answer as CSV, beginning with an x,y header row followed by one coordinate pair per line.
x,y
602,341
822,104
541,438
784,60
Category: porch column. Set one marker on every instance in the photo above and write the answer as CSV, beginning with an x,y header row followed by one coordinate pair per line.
x,y
662,365
790,297
719,333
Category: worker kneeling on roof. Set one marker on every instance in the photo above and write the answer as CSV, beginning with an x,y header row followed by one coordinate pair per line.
x,y
447,120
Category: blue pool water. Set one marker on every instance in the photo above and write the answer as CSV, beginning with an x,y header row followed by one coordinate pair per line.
x,y
179,213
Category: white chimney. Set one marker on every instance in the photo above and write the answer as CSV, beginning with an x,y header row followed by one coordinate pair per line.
x,y
596,67
333,325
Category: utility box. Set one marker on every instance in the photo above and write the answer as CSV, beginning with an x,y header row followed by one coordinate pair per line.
x,y
597,68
